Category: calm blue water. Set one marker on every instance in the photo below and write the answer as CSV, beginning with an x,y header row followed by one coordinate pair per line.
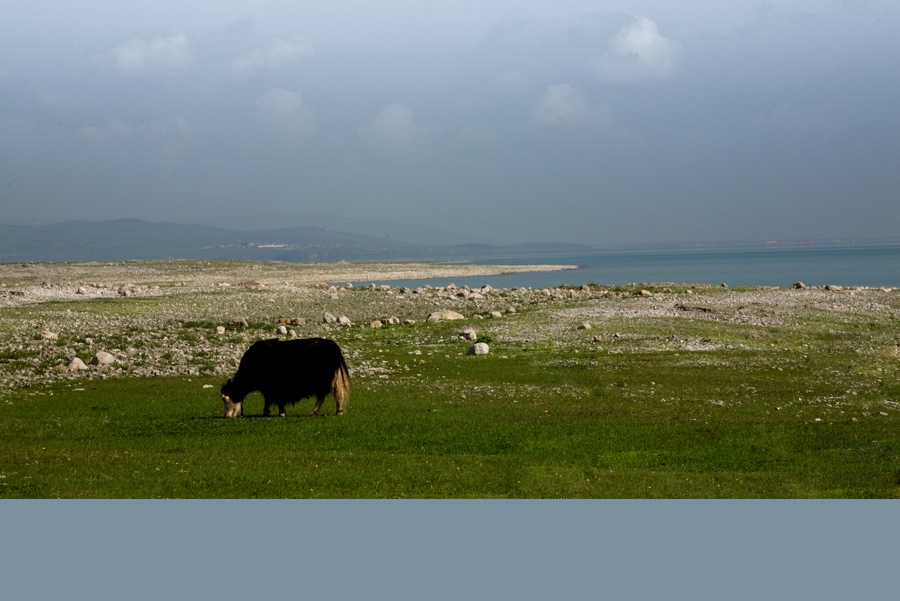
x,y
844,266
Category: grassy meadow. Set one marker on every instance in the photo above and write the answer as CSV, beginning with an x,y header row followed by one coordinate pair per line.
x,y
748,393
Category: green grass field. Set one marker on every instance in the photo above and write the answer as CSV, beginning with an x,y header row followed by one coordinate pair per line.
x,y
703,393
590,425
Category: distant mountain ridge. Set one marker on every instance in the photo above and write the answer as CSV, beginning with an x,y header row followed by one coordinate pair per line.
x,y
136,239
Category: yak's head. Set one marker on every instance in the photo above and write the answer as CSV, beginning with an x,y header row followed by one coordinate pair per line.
x,y
233,408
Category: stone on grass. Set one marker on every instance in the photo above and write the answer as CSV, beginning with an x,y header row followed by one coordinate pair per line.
x,y
510,309
646,293
102,358
292,333
586,325
238,322
376,324
468,334
81,290
477,316
479,348
220,330
496,314
446,315
329,318
799,285
393,320
77,365
344,320
409,322
281,330
48,335
298,321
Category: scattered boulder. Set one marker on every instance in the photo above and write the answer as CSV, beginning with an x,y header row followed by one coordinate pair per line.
x,y
102,358
831,288
479,348
48,335
281,330
585,288
220,330
446,315
510,309
81,290
409,322
496,314
329,318
344,320
597,338
124,291
585,326
477,316
799,285
376,324
298,321
238,322
292,333
468,334
393,320
646,293
77,365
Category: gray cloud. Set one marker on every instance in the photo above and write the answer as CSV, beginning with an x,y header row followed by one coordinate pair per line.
x,y
282,53
162,54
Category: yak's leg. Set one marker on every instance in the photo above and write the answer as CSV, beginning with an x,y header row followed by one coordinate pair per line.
x,y
280,409
319,400
340,408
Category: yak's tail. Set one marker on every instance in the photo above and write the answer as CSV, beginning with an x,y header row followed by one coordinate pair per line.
x,y
340,387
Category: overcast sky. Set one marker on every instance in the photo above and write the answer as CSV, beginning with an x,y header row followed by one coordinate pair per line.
x,y
598,122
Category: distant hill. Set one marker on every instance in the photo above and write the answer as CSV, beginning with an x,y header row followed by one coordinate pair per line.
x,y
131,239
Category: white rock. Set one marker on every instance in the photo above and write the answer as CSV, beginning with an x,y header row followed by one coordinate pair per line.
x,y
479,348
585,326
281,330
376,324
468,334
77,365
510,309
102,358
444,315
48,335
329,318
496,314
393,320
220,330
81,290
344,320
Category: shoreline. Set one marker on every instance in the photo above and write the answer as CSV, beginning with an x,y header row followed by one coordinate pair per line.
x,y
45,281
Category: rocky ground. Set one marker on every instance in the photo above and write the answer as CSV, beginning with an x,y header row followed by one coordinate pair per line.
x,y
144,319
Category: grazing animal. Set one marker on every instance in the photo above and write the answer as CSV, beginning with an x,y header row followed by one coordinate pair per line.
x,y
285,371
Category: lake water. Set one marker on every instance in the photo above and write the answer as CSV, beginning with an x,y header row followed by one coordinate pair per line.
x,y
844,266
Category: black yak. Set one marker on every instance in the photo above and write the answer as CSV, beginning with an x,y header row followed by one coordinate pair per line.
x,y
285,371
